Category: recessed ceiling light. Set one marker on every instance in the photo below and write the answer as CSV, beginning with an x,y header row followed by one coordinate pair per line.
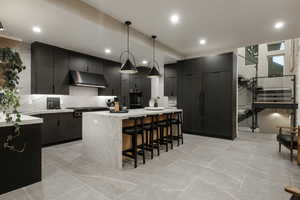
x,y
174,19
144,62
36,29
279,25
202,41
107,51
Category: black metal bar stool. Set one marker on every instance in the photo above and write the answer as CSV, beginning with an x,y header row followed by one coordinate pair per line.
x,y
151,142
165,139
178,122
134,131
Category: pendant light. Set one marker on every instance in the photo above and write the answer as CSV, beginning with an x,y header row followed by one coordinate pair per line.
x,y
154,72
1,27
129,65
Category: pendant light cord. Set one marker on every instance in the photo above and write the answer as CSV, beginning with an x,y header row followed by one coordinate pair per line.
x,y
153,61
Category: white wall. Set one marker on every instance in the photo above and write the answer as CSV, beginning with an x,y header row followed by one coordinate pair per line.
x,y
157,84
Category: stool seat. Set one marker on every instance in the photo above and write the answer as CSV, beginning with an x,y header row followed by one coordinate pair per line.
x,y
175,121
162,123
133,130
149,126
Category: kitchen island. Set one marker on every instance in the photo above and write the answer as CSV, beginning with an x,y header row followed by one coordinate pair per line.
x,y
102,134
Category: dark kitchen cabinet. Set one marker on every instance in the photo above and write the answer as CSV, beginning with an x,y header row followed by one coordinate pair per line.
x,y
170,84
60,127
125,89
61,71
95,65
111,71
49,70
42,69
207,95
18,170
78,62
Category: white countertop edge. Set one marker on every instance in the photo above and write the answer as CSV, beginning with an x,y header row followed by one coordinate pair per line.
x,y
131,113
25,120
40,112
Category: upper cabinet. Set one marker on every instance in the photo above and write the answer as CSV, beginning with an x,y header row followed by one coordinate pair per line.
x,y
111,71
170,86
49,70
78,62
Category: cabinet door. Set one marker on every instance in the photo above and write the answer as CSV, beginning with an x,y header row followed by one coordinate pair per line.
x,y
50,129
95,65
61,72
42,69
70,127
125,89
111,71
171,86
78,62
192,103
217,98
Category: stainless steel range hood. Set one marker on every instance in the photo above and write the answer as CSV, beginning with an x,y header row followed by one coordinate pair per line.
x,y
85,79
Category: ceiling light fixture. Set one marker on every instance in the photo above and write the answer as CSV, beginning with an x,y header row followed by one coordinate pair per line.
x,y
128,66
174,19
36,29
279,25
144,62
202,41
154,72
107,51
1,27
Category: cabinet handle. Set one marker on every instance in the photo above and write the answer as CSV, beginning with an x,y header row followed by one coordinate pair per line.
x,y
58,122
53,89
112,91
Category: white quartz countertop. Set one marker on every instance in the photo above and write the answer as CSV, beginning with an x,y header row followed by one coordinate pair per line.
x,y
133,113
25,120
40,112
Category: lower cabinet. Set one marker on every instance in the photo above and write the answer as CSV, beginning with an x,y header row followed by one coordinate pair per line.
x,y
60,127
18,170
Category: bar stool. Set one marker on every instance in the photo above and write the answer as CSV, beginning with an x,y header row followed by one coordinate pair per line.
x,y
134,131
165,139
178,122
151,142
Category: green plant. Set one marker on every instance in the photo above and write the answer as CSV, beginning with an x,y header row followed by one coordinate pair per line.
x,y
11,65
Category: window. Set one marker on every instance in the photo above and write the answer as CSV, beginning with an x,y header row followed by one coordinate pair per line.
x,y
251,55
276,46
276,64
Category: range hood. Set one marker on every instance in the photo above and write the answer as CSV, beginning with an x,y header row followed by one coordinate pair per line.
x,y
85,79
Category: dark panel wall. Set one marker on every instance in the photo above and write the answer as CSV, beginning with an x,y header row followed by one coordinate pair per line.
x,y
206,89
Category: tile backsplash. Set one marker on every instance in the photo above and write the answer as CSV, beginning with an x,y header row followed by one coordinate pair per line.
x,y
39,102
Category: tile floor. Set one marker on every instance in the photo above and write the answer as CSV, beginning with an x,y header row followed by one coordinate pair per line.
x,y
249,168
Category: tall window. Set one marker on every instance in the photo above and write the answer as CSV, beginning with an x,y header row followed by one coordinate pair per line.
x,y
276,58
276,64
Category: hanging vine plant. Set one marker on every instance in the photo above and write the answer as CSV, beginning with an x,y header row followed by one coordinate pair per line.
x,y
11,66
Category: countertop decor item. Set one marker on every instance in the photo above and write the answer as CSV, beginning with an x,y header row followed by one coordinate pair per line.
x,y
154,72
10,67
129,65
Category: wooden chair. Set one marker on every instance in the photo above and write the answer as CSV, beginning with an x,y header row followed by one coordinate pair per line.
x,y
294,191
289,137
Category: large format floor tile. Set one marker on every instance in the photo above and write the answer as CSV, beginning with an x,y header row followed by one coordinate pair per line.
x,y
249,168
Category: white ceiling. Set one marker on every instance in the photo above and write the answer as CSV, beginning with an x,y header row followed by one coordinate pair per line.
x,y
226,24
65,25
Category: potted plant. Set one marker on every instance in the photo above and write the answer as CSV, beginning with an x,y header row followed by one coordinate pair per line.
x,y
10,67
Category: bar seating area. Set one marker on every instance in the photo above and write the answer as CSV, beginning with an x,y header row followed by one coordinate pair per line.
x,y
151,133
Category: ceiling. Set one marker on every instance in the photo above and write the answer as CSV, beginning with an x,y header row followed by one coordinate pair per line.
x,y
76,26
85,25
226,24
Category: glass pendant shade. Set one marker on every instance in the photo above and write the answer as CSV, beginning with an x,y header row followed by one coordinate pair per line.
x,y
154,71
1,27
128,67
